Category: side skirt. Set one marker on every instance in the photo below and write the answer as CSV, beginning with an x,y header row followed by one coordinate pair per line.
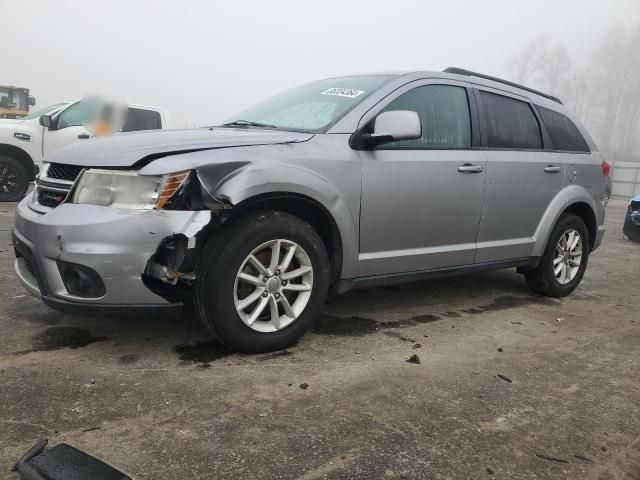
x,y
393,279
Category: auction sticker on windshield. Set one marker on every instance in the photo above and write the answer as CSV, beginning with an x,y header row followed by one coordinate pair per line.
x,y
343,92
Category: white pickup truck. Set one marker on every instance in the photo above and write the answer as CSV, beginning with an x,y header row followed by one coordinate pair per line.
x,y
25,141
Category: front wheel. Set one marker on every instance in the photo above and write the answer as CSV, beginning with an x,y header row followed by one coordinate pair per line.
x,y
262,281
564,260
14,179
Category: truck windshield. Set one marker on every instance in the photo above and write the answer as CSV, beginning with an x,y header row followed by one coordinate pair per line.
x,y
312,107
44,111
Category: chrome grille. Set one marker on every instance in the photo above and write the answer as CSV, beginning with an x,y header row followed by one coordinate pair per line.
x,y
50,198
53,185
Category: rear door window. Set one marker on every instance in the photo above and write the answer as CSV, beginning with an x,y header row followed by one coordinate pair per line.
x,y
509,123
140,119
563,132
443,112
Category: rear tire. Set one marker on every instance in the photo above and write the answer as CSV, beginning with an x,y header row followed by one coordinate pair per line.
x,y
14,179
290,300
561,268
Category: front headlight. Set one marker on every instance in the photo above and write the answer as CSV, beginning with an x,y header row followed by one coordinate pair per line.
x,y
126,189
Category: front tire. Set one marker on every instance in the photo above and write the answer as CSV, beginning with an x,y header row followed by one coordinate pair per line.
x,y
262,281
564,260
14,179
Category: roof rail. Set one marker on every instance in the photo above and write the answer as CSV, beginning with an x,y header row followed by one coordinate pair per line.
x,y
462,71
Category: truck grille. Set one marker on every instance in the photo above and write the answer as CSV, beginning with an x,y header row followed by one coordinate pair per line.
x,y
61,171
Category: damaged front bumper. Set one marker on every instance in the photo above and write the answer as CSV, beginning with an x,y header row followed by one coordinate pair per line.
x,y
104,249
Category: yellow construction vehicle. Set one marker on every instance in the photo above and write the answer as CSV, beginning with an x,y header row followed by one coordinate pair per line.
x,y
15,102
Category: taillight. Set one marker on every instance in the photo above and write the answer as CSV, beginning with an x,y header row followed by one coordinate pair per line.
x,y
606,168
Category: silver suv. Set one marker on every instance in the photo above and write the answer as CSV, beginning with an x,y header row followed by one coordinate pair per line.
x,y
350,181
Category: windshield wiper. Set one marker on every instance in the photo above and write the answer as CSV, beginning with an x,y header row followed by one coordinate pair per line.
x,y
247,123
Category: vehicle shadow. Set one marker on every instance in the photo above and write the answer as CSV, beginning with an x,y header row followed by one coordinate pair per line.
x,y
130,337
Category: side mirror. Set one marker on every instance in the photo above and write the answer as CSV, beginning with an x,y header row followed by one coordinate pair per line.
x,y
394,125
32,100
398,125
46,121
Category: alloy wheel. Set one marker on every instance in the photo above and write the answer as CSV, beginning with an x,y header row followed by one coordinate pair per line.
x,y
568,257
273,285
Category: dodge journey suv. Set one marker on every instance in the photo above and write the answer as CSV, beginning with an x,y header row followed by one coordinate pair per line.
x,y
344,182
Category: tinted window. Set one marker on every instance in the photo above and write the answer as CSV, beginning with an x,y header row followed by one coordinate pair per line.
x,y
563,132
509,123
443,112
138,119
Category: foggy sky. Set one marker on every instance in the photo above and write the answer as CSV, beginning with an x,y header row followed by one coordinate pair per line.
x,y
204,61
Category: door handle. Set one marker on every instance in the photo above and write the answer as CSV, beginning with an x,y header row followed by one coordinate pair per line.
x,y
84,136
468,168
552,169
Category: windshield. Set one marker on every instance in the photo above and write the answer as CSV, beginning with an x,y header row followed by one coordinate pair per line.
x,y
43,111
312,107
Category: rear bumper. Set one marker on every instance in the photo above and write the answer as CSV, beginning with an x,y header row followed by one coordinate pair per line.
x,y
116,244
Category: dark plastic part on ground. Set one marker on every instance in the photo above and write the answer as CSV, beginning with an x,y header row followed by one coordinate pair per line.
x,y
64,462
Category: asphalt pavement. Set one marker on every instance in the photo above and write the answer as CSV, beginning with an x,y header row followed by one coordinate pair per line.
x,y
458,378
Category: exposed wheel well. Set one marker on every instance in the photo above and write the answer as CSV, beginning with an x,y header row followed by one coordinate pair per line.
x,y
20,155
585,212
308,210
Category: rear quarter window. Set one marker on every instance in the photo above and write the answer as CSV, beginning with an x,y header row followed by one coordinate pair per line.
x,y
562,131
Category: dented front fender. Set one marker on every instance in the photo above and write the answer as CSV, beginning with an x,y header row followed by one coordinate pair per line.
x,y
229,177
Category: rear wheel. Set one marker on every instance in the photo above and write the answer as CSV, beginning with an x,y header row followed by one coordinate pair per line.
x,y
564,261
262,281
14,179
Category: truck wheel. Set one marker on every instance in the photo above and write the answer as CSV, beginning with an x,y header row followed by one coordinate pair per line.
x,y
14,179
262,281
564,260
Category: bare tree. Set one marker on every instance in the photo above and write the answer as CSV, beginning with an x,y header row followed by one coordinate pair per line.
x,y
604,93
523,67
554,67
577,92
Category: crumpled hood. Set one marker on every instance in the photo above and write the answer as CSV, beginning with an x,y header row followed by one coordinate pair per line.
x,y
124,150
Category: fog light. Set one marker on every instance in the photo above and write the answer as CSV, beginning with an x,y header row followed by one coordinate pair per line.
x,y
81,281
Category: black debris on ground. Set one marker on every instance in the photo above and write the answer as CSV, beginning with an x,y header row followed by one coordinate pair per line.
x,y
583,457
415,359
551,458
